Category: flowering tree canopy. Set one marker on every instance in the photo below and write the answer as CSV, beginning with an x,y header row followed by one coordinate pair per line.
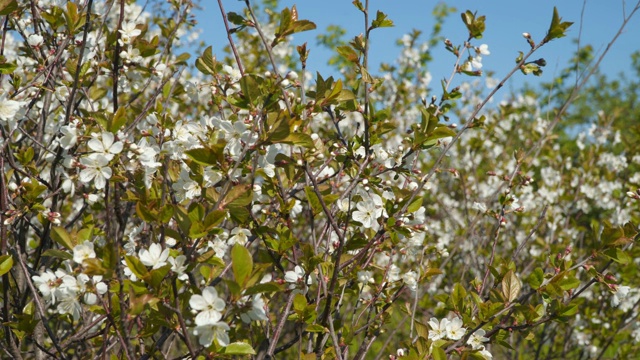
x,y
234,204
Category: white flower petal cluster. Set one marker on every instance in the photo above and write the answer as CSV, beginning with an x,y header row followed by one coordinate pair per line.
x,y
66,290
105,144
35,40
411,280
154,257
296,277
209,309
621,292
83,251
239,236
96,164
237,134
365,277
256,311
128,32
446,329
179,266
477,339
96,169
8,108
369,210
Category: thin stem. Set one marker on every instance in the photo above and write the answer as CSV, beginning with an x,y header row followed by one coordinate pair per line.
x,y
283,318
38,302
116,57
234,50
267,47
365,65
183,326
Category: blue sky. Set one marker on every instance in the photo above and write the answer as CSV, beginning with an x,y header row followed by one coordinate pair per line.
x,y
506,21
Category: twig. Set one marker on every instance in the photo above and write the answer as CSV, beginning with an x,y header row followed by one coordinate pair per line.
x,y
183,326
365,65
231,43
267,46
533,231
37,301
283,318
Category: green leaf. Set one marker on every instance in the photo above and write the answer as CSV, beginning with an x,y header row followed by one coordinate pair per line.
x,y
358,5
6,263
8,6
94,267
239,348
157,275
475,25
58,254
381,21
511,286
238,214
214,219
299,303
203,156
438,354
7,68
289,24
366,77
251,88
569,310
314,202
442,131
61,236
270,287
567,282
165,214
138,303
617,255
240,195
118,120
236,19
145,213
458,296
242,264
531,68
558,28
182,59
136,266
207,62
316,328
536,278
348,53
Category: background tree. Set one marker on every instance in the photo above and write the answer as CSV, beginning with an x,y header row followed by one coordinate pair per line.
x,y
236,205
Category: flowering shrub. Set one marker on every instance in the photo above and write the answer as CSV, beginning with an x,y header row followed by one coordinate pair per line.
x,y
241,206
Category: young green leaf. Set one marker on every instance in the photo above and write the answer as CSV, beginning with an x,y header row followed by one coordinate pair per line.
x,y
6,262
242,264
558,28
511,286
381,21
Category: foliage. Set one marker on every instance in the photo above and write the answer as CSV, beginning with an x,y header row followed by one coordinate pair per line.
x,y
235,205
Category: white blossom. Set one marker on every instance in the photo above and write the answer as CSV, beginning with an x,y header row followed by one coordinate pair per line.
x,y
83,251
8,108
208,305
154,257
477,339
95,168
